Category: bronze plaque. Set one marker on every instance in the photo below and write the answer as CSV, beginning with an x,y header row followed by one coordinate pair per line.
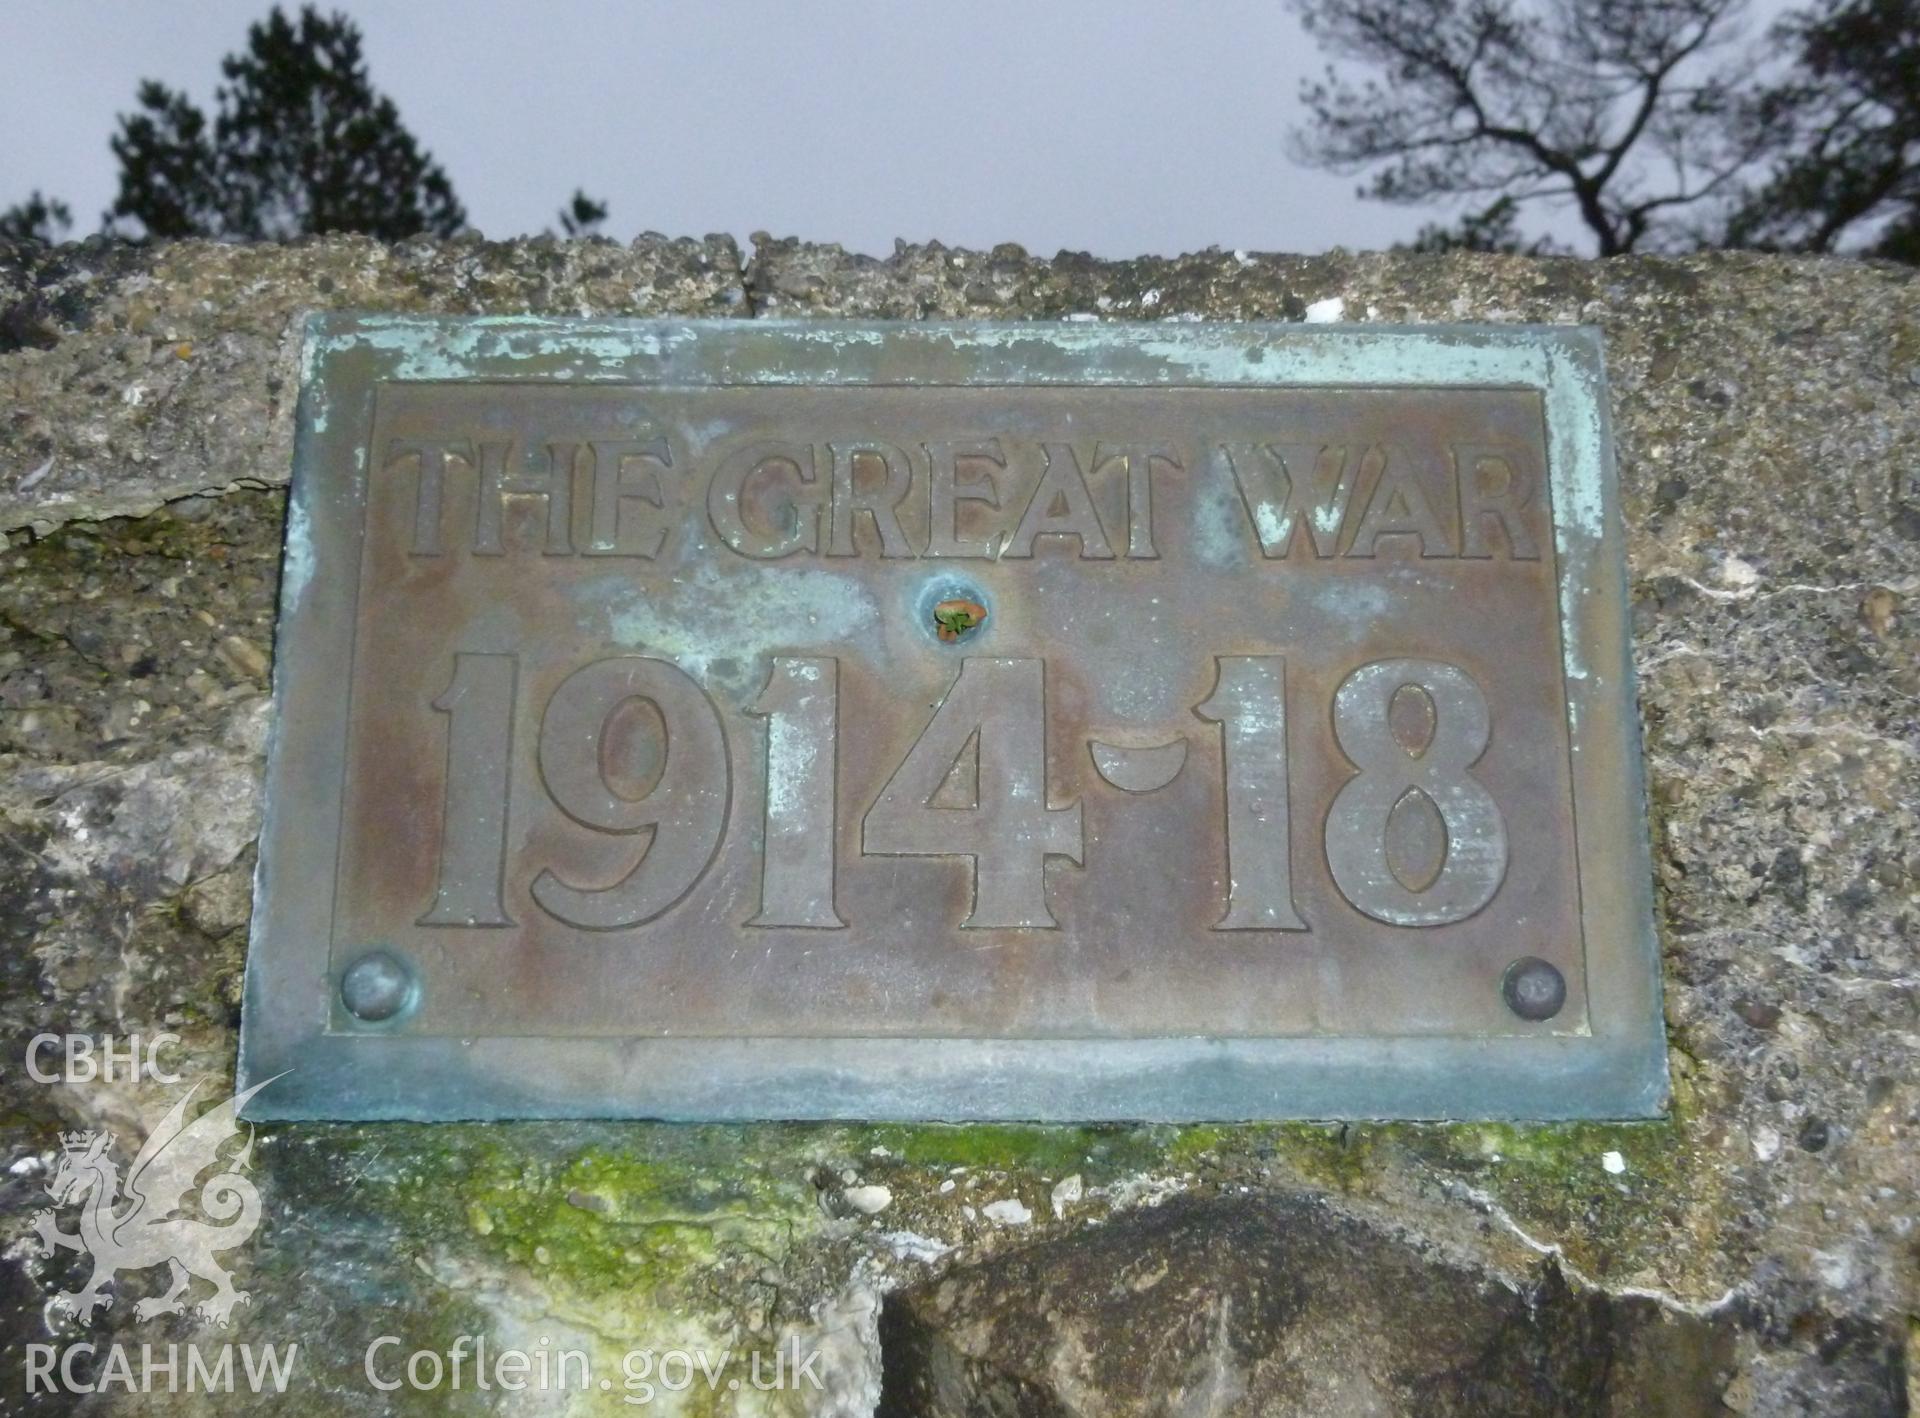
x,y
752,719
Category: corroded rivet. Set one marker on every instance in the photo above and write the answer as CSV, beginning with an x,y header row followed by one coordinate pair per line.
x,y
952,608
956,617
1533,989
377,987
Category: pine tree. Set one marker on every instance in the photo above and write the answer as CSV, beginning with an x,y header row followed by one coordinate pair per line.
x,y
582,216
300,143
1617,108
1850,115
39,220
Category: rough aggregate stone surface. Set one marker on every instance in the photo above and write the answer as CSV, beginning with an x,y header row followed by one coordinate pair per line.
x,y
131,376
1755,1254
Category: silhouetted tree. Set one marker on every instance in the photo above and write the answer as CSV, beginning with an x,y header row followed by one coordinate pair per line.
x,y
1621,108
300,143
1850,113
582,216
170,180
40,220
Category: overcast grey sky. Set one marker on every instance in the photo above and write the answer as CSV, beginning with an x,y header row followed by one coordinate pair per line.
x,y
1114,128
1117,128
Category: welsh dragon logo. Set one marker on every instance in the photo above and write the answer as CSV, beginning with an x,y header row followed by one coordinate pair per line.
x,y
144,1226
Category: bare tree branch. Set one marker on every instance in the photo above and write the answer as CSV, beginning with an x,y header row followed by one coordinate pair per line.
x,y
1613,105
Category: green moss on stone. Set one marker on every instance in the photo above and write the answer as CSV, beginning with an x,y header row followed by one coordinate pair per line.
x,y
664,1235
611,1217
1095,1152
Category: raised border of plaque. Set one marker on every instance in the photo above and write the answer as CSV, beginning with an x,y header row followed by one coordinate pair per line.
x,y
1614,1067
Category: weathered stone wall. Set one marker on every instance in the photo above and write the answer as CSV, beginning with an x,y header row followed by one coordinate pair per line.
x,y
1757,1254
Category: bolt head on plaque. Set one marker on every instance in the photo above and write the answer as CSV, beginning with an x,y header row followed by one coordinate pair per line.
x,y
952,608
378,987
1534,989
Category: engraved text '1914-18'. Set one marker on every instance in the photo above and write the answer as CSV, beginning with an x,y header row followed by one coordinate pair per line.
x,y
741,710
1411,839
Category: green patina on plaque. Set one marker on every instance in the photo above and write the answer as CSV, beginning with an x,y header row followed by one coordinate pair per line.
x,y
761,719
